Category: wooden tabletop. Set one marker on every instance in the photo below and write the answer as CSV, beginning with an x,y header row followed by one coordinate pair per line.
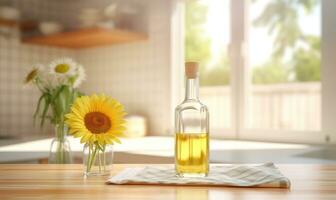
x,y
66,182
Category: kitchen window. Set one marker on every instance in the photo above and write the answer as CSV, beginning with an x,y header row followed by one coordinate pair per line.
x,y
263,70
207,42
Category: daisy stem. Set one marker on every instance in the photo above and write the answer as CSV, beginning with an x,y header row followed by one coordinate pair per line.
x,y
60,154
57,153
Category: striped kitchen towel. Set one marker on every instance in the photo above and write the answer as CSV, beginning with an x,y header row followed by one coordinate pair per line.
x,y
265,175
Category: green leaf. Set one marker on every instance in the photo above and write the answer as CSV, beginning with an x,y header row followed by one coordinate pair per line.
x,y
57,92
80,93
57,103
38,107
68,98
45,110
59,99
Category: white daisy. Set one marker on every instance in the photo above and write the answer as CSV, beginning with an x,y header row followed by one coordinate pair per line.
x,y
36,71
63,67
80,76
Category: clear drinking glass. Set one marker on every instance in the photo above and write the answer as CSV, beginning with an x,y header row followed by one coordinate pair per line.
x,y
97,160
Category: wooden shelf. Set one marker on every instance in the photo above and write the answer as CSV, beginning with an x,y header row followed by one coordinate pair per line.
x,y
88,37
23,25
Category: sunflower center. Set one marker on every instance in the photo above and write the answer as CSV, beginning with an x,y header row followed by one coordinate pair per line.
x,y
62,68
97,122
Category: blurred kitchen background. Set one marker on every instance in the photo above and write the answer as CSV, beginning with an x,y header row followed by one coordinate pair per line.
x,y
261,68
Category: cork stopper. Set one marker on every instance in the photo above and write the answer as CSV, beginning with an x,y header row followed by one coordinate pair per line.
x,y
191,69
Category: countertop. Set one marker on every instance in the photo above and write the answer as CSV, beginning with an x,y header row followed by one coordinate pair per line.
x,y
160,150
37,181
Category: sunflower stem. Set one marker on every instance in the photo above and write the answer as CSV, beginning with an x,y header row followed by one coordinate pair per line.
x,y
60,152
88,160
104,159
99,155
93,156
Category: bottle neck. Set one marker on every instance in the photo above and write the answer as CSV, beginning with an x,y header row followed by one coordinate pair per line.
x,y
192,86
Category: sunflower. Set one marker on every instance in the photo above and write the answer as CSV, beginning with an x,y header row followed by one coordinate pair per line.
x,y
96,119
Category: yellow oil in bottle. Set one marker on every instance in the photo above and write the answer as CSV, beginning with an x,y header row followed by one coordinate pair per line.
x,y
192,154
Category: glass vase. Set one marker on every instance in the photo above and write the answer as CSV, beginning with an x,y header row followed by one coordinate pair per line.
x,y
97,159
60,151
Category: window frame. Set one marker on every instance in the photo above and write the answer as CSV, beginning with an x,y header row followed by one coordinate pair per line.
x,y
241,7
239,84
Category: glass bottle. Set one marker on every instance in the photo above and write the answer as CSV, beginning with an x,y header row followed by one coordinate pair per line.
x,y
191,129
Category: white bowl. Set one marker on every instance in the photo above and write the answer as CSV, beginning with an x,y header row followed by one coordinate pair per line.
x,y
106,24
49,27
9,13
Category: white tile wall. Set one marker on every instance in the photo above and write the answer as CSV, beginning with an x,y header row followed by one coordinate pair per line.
x,y
136,74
